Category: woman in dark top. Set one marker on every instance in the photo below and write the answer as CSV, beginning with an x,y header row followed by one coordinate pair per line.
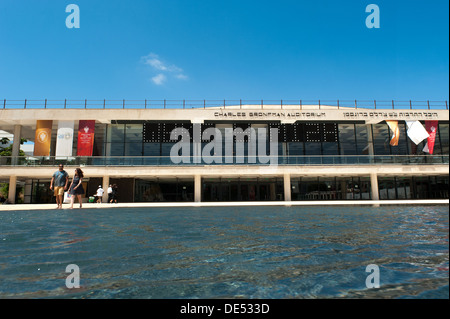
x,y
76,188
115,190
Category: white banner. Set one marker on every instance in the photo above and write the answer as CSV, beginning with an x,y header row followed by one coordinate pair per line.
x,y
416,132
64,138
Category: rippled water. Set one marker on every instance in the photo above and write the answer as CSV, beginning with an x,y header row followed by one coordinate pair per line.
x,y
231,252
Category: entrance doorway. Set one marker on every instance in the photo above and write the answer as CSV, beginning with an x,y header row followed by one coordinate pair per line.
x,y
248,190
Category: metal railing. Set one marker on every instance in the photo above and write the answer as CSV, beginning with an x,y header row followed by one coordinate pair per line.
x,y
34,161
203,104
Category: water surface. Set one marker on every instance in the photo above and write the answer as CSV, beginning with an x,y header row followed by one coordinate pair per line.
x,y
226,252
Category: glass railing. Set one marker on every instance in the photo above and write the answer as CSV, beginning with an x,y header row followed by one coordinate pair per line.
x,y
324,160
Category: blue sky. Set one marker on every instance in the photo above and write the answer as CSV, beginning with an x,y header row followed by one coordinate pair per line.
x,y
215,49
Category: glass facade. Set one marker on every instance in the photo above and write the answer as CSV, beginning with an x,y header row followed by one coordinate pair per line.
x,y
314,143
330,188
179,190
315,139
414,187
243,189
443,139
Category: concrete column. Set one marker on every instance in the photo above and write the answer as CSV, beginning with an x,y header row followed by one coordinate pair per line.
x,y
344,189
287,187
285,151
108,140
105,188
369,139
374,186
198,188
273,192
12,189
27,191
16,140
16,143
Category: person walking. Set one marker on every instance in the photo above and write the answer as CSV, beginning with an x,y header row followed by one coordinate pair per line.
x,y
76,188
115,190
58,184
110,193
99,194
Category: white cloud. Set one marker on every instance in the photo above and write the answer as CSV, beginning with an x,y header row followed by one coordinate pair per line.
x,y
154,61
181,77
159,65
159,79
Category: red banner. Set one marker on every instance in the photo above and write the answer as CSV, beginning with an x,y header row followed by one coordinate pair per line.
x,y
431,127
86,130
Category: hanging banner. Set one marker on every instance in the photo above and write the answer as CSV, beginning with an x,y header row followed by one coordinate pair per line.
x,y
393,125
42,138
86,129
416,132
431,127
64,139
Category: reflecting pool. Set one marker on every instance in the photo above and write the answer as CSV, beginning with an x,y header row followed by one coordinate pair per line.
x,y
226,252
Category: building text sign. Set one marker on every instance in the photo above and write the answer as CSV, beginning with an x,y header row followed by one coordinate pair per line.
x,y
330,115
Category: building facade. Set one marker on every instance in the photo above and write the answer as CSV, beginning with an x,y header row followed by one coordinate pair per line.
x,y
319,152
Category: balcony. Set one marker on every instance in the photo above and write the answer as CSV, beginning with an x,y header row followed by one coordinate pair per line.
x,y
124,161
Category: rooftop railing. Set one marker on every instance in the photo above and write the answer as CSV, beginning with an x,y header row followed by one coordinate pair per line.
x,y
230,104
324,160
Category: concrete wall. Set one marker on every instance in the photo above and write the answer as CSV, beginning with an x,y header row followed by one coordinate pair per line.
x,y
232,171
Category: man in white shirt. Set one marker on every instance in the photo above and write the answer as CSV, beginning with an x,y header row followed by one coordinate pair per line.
x,y
110,193
99,194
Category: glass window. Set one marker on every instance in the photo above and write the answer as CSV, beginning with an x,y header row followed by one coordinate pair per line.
x,y
99,140
365,189
115,149
312,148
343,189
152,149
443,134
133,133
362,138
347,139
421,185
403,147
330,148
164,190
133,149
280,149
386,187
381,139
116,133
296,148
165,148
327,188
311,188
442,186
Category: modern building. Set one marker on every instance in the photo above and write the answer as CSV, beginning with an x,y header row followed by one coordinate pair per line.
x,y
320,150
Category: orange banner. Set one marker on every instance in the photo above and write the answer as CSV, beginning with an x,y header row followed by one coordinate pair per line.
x,y
395,132
43,138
